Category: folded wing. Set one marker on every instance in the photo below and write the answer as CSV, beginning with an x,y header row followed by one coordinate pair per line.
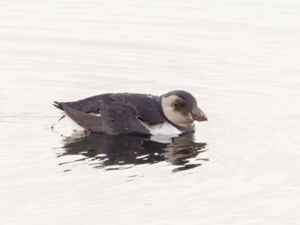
x,y
113,118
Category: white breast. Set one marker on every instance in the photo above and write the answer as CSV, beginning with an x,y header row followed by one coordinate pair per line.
x,y
165,129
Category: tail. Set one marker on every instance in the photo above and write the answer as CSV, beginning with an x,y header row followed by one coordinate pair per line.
x,y
58,105
86,120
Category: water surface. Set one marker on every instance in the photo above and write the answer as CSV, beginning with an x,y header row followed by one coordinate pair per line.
x,y
239,58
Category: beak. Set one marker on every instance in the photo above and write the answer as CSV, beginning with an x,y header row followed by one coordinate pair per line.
x,y
198,114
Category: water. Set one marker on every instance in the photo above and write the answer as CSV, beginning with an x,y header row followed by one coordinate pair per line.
x,y
239,58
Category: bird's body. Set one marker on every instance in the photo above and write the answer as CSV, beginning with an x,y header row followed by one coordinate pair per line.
x,y
125,113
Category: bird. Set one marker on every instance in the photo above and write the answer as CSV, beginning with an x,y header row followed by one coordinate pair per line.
x,y
172,113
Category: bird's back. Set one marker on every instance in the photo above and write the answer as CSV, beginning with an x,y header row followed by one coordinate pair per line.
x,y
144,107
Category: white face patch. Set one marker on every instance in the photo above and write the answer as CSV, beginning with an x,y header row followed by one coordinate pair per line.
x,y
176,117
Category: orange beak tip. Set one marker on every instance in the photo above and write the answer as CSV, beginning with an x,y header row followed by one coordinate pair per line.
x,y
199,116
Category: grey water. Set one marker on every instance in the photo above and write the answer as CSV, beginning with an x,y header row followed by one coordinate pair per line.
x,y
240,59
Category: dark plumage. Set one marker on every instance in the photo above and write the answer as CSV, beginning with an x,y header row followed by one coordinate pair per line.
x,y
125,113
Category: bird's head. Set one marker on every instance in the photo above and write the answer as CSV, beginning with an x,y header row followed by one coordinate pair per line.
x,y
181,108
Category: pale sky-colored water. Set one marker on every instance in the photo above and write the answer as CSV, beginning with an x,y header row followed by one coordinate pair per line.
x,y
239,58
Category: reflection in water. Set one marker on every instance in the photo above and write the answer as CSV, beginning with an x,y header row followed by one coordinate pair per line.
x,y
120,152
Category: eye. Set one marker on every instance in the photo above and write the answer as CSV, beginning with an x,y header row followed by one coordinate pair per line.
x,y
178,105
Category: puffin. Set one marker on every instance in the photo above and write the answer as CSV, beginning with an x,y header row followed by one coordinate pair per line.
x,y
171,114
